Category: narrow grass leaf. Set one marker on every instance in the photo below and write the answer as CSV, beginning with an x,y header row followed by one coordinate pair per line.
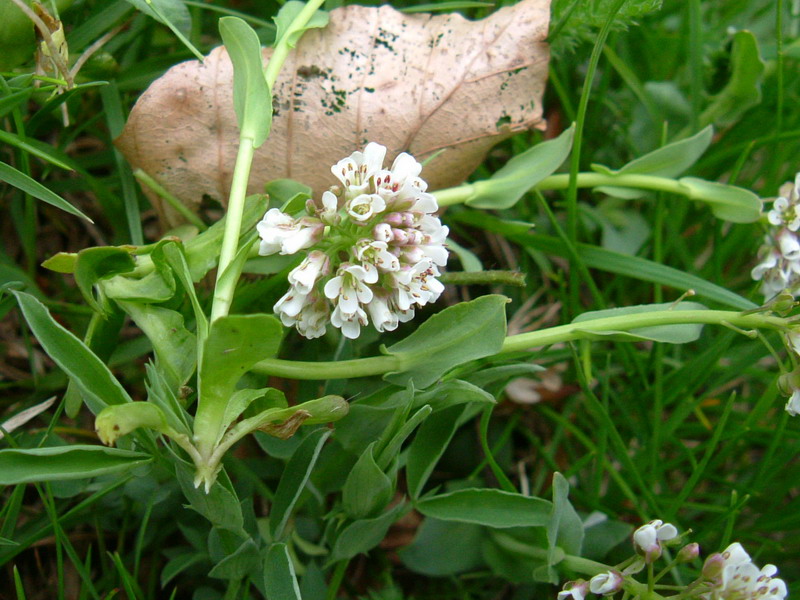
x,y
612,262
36,148
32,187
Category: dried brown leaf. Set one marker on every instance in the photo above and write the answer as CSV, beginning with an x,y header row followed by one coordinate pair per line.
x,y
416,83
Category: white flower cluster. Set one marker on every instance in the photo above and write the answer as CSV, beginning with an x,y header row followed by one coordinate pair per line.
x,y
735,577
779,268
376,248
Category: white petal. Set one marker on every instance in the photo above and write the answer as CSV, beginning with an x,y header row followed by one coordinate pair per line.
x,y
374,154
405,166
333,288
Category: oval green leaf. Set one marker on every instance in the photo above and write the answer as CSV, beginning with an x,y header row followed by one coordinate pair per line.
x,y
489,507
64,462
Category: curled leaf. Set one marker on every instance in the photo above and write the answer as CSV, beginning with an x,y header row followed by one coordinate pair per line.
x,y
416,83
115,421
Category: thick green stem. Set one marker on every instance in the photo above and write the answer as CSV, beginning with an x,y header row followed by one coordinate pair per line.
x,y
378,365
462,193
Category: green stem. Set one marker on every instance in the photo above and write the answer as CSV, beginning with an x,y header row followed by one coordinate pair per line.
x,y
336,579
483,278
223,294
282,48
378,365
462,193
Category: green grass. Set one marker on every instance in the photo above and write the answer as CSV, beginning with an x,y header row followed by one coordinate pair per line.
x,y
693,434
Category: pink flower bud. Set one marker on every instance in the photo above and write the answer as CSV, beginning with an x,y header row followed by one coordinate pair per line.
x,y
713,566
400,237
383,232
689,552
394,219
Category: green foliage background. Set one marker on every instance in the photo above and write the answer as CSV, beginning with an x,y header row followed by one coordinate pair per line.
x,y
693,434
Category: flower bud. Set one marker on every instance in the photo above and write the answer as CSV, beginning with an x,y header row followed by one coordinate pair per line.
x,y
689,552
783,303
394,219
383,232
574,590
606,584
713,566
400,236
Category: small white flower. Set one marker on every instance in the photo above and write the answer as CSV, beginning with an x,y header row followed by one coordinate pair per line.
x,y
305,275
330,208
348,289
410,285
313,318
376,253
355,171
574,590
647,538
425,203
383,318
349,323
280,232
290,305
789,245
364,207
606,583
793,404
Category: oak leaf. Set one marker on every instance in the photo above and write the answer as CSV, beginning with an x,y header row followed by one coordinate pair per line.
x,y
416,83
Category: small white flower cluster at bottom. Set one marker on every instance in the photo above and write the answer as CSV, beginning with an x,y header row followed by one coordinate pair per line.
x,y
376,248
733,576
728,575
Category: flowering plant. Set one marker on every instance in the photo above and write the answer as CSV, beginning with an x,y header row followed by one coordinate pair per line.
x,y
426,456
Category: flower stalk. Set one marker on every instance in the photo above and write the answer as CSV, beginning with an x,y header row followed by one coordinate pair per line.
x,y
462,193
378,365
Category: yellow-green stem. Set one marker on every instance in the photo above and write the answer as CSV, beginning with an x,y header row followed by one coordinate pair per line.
x,y
378,365
223,294
462,193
